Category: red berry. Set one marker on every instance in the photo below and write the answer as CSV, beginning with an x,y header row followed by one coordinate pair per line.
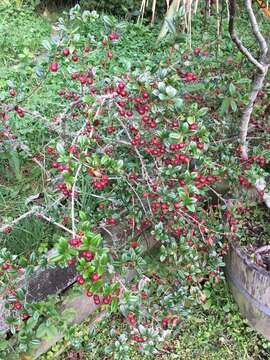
x,y
197,51
65,52
153,125
54,165
145,95
106,299
25,316
110,54
80,280
75,58
134,244
121,86
54,67
12,92
95,277
17,305
5,266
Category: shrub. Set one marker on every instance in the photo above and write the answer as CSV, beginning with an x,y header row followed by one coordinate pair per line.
x,y
130,154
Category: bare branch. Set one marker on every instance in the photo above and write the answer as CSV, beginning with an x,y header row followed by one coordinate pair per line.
x,y
255,28
237,41
17,220
42,216
73,200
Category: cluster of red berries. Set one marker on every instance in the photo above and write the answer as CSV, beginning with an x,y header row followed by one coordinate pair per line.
x,y
75,242
187,76
88,255
178,159
111,221
205,180
103,182
113,36
244,182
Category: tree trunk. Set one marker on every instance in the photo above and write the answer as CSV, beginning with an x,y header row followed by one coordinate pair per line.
x,y
257,85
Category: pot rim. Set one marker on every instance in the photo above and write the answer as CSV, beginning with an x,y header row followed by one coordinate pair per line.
x,y
246,259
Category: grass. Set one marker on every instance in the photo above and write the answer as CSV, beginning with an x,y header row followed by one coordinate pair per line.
x,y
209,334
22,31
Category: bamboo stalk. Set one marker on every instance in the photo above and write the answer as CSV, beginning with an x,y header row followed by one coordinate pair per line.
x,y
218,26
154,3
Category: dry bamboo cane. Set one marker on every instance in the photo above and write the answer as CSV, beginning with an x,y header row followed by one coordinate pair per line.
x,y
218,26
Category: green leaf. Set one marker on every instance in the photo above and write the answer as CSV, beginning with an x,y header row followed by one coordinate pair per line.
x,y
233,106
178,102
41,331
203,111
56,258
114,305
175,136
171,91
96,285
52,332
161,86
108,21
60,149
232,89
191,208
68,314
3,344
225,105
31,322
46,44
162,96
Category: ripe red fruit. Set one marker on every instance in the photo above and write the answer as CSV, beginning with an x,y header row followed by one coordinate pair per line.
x,y
65,52
121,86
53,67
145,95
153,125
96,299
165,322
193,126
87,49
106,299
113,36
5,267
12,92
25,316
129,113
197,51
89,293
69,263
17,305
75,58
134,244
80,280
110,54
95,277
54,165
